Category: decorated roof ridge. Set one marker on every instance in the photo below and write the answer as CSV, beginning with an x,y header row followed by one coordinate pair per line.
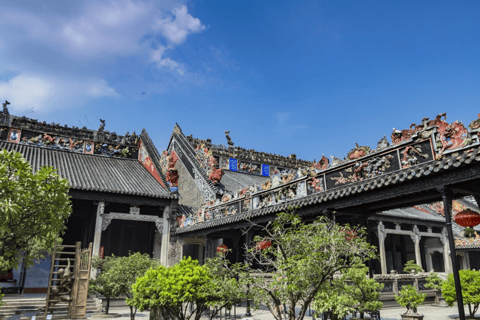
x,y
100,135
447,162
67,151
249,154
155,156
444,135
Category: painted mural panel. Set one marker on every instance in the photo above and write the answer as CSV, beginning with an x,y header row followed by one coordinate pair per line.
x,y
147,162
14,135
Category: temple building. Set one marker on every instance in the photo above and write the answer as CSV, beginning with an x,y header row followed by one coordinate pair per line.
x,y
195,196
226,179
121,201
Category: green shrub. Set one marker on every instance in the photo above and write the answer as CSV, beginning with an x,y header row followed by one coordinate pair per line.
x,y
434,281
409,297
470,284
411,265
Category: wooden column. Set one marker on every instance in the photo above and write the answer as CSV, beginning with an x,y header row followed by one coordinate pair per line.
x,y
447,207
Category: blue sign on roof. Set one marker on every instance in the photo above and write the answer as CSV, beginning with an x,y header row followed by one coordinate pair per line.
x,y
265,170
232,164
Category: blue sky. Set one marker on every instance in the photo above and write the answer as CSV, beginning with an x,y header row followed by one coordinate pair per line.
x,y
284,77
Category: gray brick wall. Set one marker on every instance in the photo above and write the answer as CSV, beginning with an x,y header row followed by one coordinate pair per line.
x,y
189,193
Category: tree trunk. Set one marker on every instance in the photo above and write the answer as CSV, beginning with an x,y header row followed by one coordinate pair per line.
x,y
155,314
108,305
21,289
132,314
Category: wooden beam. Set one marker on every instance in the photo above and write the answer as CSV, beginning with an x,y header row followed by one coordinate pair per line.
x,y
119,198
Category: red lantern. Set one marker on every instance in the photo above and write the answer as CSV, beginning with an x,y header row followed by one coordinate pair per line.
x,y
467,218
222,248
263,245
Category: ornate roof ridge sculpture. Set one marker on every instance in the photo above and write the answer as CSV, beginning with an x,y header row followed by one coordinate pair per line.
x,y
249,154
101,142
433,141
67,138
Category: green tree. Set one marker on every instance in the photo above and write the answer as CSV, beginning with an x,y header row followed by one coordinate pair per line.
x,y
411,265
409,297
33,207
223,289
353,290
125,271
336,297
108,282
434,281
470,284
173,290
366,291
303,257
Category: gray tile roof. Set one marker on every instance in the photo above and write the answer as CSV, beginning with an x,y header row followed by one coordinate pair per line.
x,y
411,213
235,180
94,172
186,210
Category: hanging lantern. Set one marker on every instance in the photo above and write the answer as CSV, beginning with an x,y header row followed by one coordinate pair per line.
x,y
222,248
467,219
263,245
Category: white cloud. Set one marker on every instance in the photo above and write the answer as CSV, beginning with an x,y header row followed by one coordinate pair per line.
x,y
66,53
178,26
113,28
43,94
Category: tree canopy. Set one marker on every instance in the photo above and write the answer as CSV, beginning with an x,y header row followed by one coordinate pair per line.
x,y
33,207
470,284
302,258
174,289
108,282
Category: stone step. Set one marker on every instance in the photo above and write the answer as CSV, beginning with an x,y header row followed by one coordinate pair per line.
x,y
32,305
90,307
39,305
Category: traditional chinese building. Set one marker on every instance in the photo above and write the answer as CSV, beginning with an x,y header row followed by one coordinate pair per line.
x,y
121,200
196,195
393,190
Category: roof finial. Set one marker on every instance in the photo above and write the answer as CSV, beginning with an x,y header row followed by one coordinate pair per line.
x,y
5,109
102,126
229,140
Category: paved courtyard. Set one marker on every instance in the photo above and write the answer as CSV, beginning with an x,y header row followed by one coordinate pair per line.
x,y
430,312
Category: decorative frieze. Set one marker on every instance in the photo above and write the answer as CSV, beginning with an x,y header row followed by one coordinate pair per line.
x,y
107,219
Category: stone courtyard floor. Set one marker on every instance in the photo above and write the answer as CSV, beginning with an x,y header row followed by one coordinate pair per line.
x,y
430,312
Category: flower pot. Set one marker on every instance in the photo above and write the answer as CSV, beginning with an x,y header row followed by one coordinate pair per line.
x,y
412,316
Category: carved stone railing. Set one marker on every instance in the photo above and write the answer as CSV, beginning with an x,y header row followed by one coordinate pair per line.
x,y
394,282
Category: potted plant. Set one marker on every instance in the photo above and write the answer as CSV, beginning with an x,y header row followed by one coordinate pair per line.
x,y
409,297
435,282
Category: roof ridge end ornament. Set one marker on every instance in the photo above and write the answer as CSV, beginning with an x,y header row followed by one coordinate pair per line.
x,y
229,139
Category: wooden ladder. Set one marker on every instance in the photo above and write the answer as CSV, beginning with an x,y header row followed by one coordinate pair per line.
x,y
77,305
